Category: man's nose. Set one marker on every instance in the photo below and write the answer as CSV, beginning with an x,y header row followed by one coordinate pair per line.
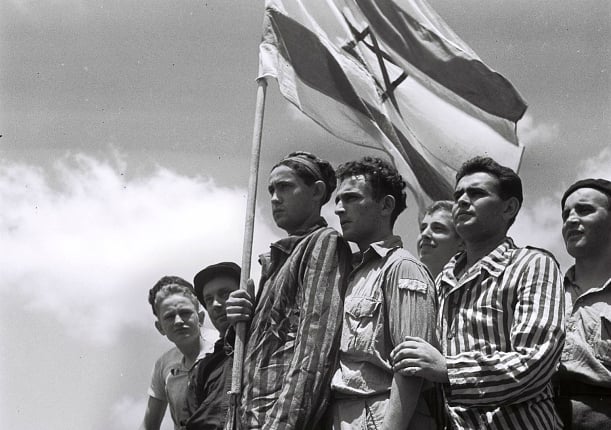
x,y
178,319
339,208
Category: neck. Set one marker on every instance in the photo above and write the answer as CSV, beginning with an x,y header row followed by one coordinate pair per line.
x,y
307,225
593,272
478,249
381,235
191,351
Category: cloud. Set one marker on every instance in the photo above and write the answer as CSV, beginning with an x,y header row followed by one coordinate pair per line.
x,y
86,242
540,224
531,132
127,413
596,167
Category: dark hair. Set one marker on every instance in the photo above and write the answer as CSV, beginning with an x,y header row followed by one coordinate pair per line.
x,y
321,171
185,289
383,178
510,184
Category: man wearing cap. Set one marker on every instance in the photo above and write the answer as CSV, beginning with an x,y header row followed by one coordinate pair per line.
x,y
438,240
179,319
292,341
207,399
584,378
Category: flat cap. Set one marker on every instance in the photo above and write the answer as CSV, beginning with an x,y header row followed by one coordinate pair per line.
x,y
205,275
601,185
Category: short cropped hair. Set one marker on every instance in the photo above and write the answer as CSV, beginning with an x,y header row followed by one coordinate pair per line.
x,y
167,286
382,176
323,170
439,205
510,184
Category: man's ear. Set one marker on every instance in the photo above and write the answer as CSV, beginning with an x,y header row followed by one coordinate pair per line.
x,y
159,328
388,205
512,207
319,190
201,316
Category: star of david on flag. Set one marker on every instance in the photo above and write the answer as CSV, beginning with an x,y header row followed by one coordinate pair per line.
x,y
391,75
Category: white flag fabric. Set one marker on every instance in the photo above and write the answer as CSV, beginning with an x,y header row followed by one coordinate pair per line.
x,y
392,75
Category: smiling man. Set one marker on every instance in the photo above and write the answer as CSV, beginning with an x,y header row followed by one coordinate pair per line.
x,y
500,314
584,378
390,296
438,240
179,319
292,344
207,399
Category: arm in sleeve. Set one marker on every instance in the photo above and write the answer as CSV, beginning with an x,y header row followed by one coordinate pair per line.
x,y
535,340
409,297
306,387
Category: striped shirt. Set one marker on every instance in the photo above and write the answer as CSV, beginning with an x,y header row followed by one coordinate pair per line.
x,y
293,340
501,330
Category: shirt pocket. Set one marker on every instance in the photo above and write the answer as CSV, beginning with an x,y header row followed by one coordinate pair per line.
x,y
362,323
602,345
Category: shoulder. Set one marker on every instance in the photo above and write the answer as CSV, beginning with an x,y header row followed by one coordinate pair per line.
x,y
409,272
170,358
535,254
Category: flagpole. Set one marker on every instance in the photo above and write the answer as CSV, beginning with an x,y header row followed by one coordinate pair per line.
x,y
249,225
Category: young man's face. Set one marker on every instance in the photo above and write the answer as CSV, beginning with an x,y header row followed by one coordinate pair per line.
x,y
179,320
215,293
586,227
438,240
478,210
293,201
359,213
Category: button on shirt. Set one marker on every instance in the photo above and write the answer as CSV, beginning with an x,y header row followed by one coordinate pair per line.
x,y
390,295
586,356
501,329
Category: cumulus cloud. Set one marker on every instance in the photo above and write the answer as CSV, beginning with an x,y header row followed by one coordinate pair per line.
x,y
127,413
540,224
532,132
596,167
86,242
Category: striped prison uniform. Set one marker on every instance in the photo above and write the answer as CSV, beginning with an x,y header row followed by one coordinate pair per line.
x,y
502,331
293,340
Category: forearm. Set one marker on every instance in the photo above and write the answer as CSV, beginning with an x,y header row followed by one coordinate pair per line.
x,y
404,397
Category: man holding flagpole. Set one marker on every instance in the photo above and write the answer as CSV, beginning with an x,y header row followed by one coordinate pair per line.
x,y
292,341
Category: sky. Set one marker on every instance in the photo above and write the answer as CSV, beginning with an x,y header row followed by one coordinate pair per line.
x,y
125,142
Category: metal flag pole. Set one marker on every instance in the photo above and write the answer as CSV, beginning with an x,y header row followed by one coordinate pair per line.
x,y
249,226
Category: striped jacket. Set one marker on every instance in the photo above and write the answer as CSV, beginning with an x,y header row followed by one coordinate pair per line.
x,y
293,340
502,332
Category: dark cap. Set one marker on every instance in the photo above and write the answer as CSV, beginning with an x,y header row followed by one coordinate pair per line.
x,y
206,275
601,185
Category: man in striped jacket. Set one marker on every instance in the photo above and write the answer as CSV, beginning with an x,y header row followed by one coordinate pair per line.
x,y
500,314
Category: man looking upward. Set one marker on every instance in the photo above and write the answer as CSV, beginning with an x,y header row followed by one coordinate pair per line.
x,y
584,378
500,314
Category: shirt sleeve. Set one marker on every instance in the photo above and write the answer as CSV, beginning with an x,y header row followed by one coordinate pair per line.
x,y
536,337
410,302
157,387
306,389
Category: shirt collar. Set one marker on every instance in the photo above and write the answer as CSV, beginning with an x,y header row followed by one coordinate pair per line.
x,y
494,262
382,248
569,281
287,244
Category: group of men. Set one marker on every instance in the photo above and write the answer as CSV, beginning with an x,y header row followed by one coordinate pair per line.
x,y
367,340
